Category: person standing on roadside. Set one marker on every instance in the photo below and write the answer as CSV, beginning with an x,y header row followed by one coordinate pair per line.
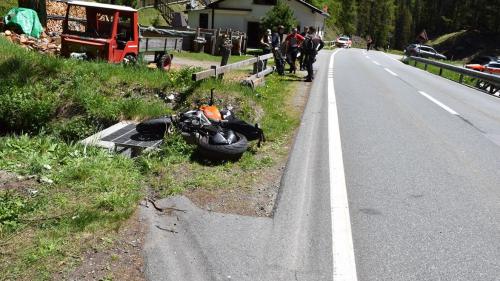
x,y
266,42
293,41
302,55
369,43
276,43
311,46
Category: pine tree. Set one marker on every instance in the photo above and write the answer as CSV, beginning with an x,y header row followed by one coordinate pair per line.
x,y
348,16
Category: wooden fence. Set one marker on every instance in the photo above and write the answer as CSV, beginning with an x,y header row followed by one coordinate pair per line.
x,y
217,70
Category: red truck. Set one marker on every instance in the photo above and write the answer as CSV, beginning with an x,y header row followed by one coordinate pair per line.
x,y
111,33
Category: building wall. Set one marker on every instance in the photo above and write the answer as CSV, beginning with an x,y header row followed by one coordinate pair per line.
x,y
238,20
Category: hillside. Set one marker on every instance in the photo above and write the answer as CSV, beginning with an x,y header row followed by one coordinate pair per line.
x,y
464,45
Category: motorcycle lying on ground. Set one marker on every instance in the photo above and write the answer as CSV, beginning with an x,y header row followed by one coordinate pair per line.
x,y
218,134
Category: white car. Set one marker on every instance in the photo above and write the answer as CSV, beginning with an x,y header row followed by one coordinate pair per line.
x,y
343,42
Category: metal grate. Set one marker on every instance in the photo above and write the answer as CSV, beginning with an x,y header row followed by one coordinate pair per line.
x,y
130,138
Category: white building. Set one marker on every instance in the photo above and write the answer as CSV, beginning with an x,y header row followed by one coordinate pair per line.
x,y
245,15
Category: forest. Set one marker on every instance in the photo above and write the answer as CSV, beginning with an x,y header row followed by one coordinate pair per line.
x,y
399,22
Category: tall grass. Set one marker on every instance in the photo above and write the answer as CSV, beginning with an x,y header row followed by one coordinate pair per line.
x,y
37,92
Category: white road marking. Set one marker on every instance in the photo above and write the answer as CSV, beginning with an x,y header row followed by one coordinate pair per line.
x,y
443,106
375,62
390,71
344,265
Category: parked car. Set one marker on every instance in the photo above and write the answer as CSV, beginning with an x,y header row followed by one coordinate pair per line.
x,y
423,51
479,63
482,60
343,42
493,68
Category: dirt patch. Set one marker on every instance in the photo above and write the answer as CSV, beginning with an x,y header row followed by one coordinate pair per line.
x,y
255,201
21,184
178,63
121,261
259,200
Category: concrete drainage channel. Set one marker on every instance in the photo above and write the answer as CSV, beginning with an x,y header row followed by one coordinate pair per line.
x,y
122,138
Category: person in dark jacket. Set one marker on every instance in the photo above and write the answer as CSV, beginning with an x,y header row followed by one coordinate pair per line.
x,y
276,44
311,46
302,55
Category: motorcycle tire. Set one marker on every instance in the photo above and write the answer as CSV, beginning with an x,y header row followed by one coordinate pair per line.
x,y
157,126
232,151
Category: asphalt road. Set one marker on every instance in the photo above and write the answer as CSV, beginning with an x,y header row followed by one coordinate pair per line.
x,y
421,157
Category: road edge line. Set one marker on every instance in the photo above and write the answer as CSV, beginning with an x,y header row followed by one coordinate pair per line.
x,y
344,265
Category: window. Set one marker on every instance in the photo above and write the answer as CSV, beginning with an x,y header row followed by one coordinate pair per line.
x,y
265,2
104,25
125,29
203,20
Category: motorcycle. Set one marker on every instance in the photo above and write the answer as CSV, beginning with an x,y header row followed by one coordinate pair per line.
x,y
218,134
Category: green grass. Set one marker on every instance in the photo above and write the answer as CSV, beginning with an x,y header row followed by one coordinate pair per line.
x,y
445,37
43,225
172,172
48,103
6,5
65,97
210,58
446,73
396,52
151,16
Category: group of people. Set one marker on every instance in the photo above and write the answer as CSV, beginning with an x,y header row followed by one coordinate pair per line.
x,y
303,47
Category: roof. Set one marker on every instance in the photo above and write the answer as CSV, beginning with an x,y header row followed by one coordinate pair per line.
x,y
102,6
312,7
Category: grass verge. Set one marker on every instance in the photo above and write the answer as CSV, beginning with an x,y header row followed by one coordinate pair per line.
x,y
446,73
63,199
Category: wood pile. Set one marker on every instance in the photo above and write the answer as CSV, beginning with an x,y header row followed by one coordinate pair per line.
x,y
45,45
56,10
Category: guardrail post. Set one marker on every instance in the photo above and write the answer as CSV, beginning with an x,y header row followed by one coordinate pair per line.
x,y
214,67
415,63
440,72
425,66
461,79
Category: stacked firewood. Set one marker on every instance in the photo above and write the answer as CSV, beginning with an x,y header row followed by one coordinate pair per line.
x,y
58,9
45,44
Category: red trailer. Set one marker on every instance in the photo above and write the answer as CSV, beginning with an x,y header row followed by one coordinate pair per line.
x,y
111,33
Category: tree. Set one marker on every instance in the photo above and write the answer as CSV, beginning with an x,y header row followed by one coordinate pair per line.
x,y
348,19
280,14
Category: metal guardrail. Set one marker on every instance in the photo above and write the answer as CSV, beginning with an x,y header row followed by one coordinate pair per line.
x,y
216,70
486,81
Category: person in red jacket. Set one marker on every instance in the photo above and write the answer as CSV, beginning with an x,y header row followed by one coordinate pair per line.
x,y
292,42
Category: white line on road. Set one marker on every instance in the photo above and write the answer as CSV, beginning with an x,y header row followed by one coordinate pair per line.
x,y
375,62
344,265
390,71
438,103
